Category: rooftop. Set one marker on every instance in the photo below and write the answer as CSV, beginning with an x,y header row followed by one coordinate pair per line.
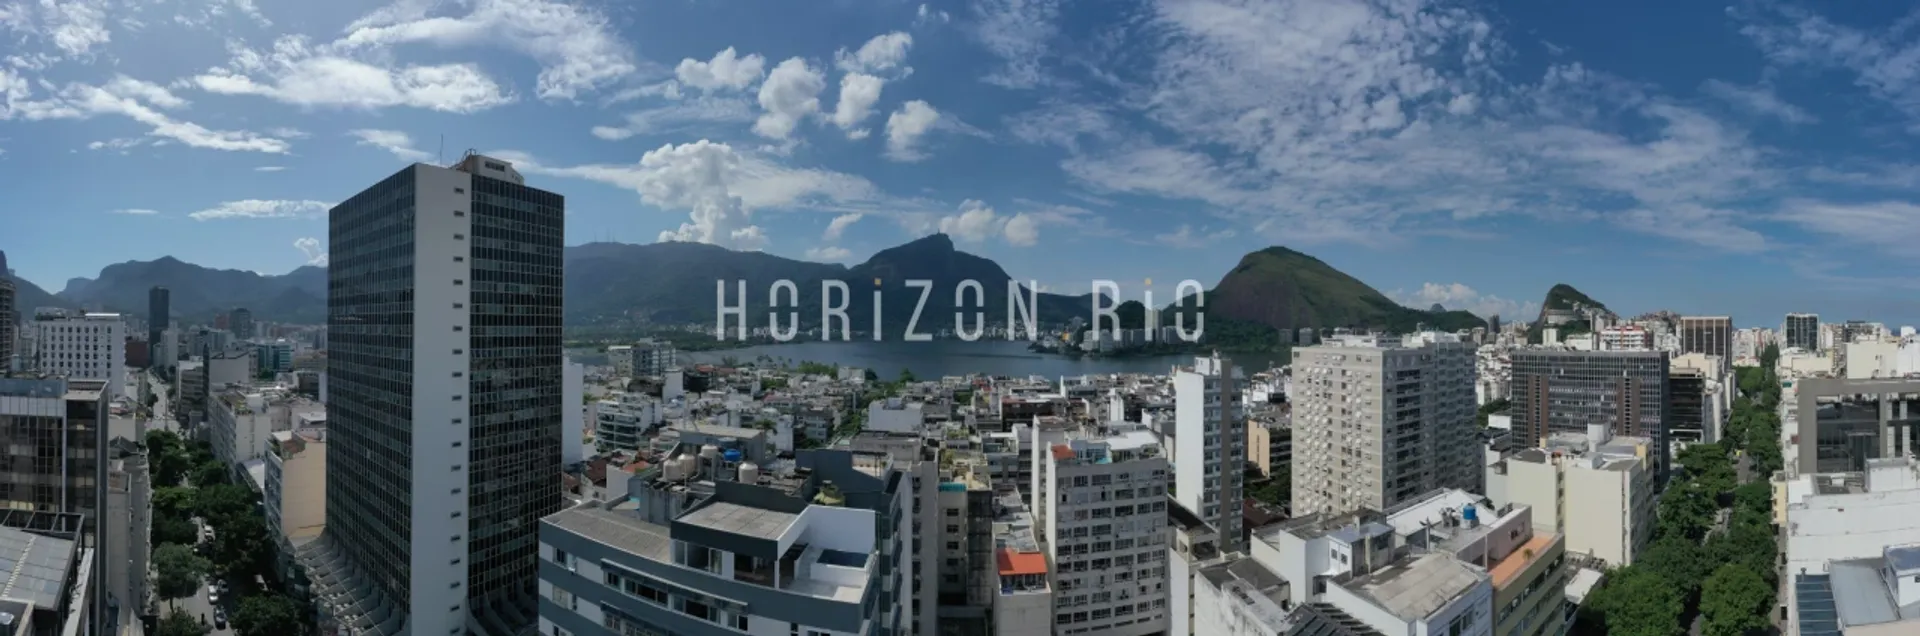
x,y
1416,586
616,526
1505,570
33,568
741,520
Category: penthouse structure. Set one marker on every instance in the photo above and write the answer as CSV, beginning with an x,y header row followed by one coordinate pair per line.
x,y
1104,520
1376,425
702,546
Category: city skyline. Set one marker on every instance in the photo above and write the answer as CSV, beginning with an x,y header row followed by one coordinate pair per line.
x,y
1427,157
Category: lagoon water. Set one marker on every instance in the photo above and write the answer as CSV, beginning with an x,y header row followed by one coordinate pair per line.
x,y
955,357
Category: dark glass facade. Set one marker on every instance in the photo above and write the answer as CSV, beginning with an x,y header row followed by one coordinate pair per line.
x,y
159,314
1565,391
370,380
519,234
52,461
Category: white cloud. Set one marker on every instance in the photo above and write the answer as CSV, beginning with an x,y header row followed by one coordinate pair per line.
x,y
680,116
392,141
976,222
1188,237
126,97
295,73
1759,100
578,49
858,93
905,127
1881,61
928,16
839,226
828,254
1018,32
119,145
289,133
790,94
726,70
1459,297
1887,226
269,168
309,246
882,53
77,29
136,211
262,209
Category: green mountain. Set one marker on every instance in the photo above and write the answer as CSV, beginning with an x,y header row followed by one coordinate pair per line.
x,y
1278,289
934,259
199,293
672,283
1563,297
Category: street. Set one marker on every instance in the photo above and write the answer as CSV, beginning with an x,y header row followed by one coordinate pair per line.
x,y
198,607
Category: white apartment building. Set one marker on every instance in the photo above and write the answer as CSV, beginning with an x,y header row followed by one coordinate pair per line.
x,y
1852,550
1374,426
90,346
294,493
1593,489
1024,606
1210,444
895,415
1104,513
622,422
646,358
241,423
1355,567
1626,338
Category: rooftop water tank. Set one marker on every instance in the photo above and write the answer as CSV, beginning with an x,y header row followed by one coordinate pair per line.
x,y
670,471
749,473
1470,515
709,452
731,454
689,467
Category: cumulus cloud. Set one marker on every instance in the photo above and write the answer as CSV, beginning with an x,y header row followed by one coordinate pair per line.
x,y
858,93
392,141
269,168
578,49
828,254
726,71
294,72
976,222
262,209
790,95
906,126
882,53
929,16
316,255
839,226
1456,296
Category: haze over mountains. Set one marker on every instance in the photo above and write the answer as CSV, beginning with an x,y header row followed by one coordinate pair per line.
x,y
674,283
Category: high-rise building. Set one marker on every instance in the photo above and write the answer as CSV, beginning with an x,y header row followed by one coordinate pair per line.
x,y
82,346
444,400
1210,445
1377,425
159,317
240,321
1568,391
57,430
1801,331
1711,335
9,319
1104,511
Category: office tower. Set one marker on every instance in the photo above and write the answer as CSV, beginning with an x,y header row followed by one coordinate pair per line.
x,y
56,429
82,347
1210,436
1801,331
1377,425
1568,391
1105,520
705,545
9,316
240,322
1688,409
444,385
159,318
1493,325
1711,335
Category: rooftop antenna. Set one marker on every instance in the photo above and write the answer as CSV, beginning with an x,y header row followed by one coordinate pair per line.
x,y
443,149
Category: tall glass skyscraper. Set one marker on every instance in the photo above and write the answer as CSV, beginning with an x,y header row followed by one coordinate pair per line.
x,y
444,406
159,315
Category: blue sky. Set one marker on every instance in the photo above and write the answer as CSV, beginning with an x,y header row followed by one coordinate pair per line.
x,y
1751,159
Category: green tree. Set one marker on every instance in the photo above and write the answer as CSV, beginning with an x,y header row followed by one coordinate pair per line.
x,y
1685,510
242,547
1638,602
199,452
1769,357
267,615
1490,408
175,530
906,376
178,572
216,503
183,624
1680,561
166,453
209,474
1735,601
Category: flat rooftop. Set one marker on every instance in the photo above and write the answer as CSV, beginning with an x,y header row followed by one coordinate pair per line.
x,y
741,520
1416,586
1505,570
619,527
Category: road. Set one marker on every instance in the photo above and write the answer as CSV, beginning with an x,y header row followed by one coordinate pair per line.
x,y
198,606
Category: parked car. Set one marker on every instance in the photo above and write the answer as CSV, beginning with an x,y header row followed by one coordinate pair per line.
x,y
213,594
220,618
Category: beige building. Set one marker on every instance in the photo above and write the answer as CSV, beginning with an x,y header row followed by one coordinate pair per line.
x,y
1595,490
295,493
1376,425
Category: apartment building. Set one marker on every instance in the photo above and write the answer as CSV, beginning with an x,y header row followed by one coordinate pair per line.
x,y
1852,549
968,558
1355,571
57,434
1626,338
1595,490
814,550
444,395
1023,605
1374,426
83,346
9,317
1210,444
241,422
621,423
294,496
1570,391
647,358
1708,335
1801,331
1104,520
126,535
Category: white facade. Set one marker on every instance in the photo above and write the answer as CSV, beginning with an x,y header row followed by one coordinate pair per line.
x,y
1104,517
573,427
84,347
1626,338
1833,518
1210,444
895,415
619,423
438,549
1599,497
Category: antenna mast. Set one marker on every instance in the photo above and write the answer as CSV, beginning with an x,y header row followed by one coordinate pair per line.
x,y
443,149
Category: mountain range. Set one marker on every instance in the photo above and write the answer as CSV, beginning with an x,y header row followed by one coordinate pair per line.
x,y
618,284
